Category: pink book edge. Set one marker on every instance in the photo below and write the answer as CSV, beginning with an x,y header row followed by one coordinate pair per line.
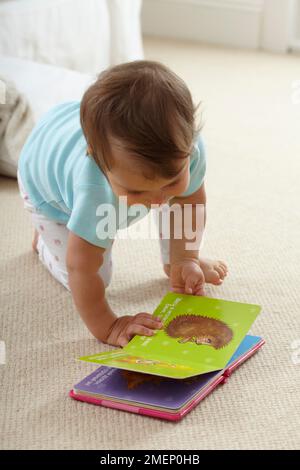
x,y
165,414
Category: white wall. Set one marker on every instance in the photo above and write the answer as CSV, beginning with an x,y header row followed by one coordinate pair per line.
x,y
294,37
240,23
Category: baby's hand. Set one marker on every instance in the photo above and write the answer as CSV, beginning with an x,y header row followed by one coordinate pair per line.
x,y
186,277
124,328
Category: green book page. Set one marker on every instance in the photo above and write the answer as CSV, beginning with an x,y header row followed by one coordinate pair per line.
x,y
199,335
143,365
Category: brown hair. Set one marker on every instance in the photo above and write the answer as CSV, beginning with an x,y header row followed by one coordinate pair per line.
x,y
148,108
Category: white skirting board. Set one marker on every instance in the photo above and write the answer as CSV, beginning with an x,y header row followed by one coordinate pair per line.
x,y
255,24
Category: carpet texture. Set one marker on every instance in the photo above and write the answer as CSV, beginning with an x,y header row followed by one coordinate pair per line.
x,y
253,146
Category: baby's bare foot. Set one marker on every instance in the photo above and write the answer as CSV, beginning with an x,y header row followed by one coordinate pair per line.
x,y
214,270
35,240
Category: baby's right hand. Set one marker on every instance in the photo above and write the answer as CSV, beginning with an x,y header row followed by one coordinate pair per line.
x,y
124,328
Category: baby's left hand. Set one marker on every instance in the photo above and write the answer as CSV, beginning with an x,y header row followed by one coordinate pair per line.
x,y
186,277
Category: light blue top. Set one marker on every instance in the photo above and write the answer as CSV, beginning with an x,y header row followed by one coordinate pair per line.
x,y
67,186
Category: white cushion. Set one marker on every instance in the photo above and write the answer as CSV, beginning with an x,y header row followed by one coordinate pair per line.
x,y
44,85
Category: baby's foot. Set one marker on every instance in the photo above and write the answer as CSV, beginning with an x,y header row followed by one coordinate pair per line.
x,y
35,240
214,270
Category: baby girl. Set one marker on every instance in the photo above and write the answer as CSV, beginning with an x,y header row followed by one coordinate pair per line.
x,y
132,135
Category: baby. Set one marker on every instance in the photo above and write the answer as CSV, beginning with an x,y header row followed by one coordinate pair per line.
x,y
132,135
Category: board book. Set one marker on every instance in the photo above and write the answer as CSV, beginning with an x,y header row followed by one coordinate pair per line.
x,y
199,335
158,397
166,375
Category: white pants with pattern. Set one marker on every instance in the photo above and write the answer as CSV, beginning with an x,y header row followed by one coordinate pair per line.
x,y
52,244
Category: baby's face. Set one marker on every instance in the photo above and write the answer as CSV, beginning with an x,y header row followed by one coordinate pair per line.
x,y
126,179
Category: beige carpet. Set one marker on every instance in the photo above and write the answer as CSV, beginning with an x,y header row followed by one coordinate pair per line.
x,y
253,144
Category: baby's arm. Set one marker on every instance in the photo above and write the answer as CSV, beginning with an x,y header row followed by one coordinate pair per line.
x,y
185,272
179,247
83,263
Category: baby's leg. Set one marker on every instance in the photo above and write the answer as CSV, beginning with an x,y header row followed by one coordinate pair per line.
x,y
52,248
51,244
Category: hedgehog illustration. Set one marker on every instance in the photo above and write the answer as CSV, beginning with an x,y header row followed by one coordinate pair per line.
x,y
200,330
135,379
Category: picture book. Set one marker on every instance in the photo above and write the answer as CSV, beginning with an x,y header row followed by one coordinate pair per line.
x,y
156,396
199,336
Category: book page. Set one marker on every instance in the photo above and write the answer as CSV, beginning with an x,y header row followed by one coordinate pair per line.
x,y
199,335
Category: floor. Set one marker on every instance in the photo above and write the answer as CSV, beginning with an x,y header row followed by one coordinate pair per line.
x,y
252,137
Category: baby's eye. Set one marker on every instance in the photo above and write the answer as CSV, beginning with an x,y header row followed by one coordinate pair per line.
x,y
172,184
135,192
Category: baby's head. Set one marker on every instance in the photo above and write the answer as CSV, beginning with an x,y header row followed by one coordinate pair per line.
x,y
138,119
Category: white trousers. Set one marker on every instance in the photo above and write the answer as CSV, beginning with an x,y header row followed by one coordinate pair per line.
x,y
52,244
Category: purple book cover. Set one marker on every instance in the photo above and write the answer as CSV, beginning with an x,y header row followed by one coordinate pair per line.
x,y
152,390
